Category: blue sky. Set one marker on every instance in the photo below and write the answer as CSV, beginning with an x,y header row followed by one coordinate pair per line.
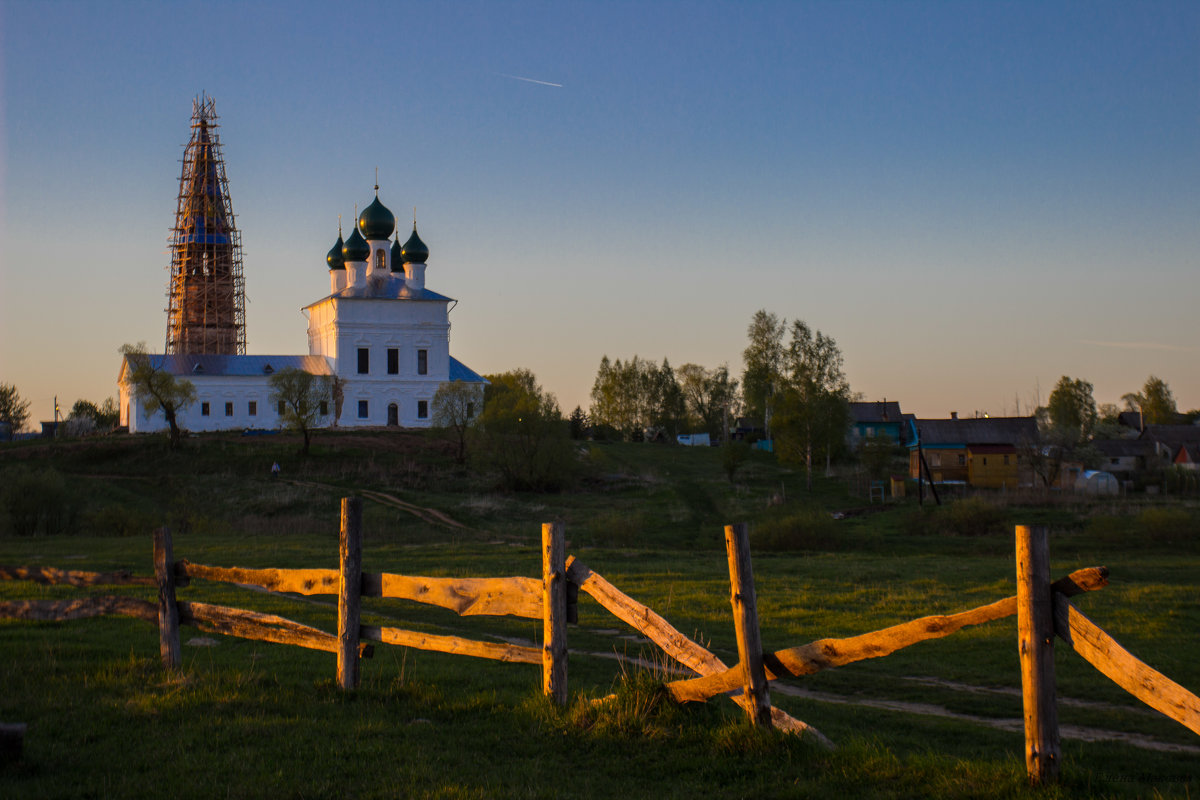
x,y
971,198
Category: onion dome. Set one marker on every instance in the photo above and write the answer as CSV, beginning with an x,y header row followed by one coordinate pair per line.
x,y
414,250
334,257
356,247
397,255
376,222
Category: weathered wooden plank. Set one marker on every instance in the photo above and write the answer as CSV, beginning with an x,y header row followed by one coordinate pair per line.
x,y
168,610
79,608
349,592
679,647
745,621
1035,648
296,581
1134,676
826,653
554,612
51,575
644,620
247,624
518,597
453,644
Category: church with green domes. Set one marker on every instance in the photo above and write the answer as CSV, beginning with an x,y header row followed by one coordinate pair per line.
x,y
380,331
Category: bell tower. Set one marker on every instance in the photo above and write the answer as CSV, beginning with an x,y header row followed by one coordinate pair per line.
x,y
206,306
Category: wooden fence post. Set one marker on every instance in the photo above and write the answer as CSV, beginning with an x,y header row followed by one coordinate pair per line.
x,y
745,621
1035,637
349,592
168,611
554,612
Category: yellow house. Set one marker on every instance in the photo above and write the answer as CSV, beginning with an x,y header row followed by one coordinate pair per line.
x,y
993,466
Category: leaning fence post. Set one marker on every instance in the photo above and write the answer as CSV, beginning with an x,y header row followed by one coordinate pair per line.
x,y
1035,637
745,621
349,592
554,612
168,610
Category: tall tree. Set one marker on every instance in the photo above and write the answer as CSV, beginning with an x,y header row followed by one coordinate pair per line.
x,y
303,395
13,409
634,395
762,373
1072,410
814,409
1158,404
156,389
709,395
456,404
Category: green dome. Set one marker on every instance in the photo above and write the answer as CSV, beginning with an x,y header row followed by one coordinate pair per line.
x,y
356,247
334,257
376,222
414,250
397,255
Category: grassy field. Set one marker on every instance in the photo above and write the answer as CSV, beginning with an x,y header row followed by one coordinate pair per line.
x,y
247,719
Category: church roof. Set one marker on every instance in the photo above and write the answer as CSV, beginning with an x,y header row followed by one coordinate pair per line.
x,y
188,366
393,287
461,372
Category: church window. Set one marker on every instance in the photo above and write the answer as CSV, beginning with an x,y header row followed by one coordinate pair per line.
x,y
204,409
422,409
252,408
380,263
393,361
229,409
364,360
363,409
422,362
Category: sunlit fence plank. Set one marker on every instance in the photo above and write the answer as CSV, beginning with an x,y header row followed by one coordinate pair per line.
x,y
826,653
498,651
1107,655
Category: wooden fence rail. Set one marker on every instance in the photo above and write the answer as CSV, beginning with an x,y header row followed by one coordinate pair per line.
x,y
1042,608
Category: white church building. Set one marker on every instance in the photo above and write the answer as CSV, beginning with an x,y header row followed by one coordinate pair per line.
x,y
379,331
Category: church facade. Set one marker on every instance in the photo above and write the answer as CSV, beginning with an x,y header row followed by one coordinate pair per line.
x,y
380,332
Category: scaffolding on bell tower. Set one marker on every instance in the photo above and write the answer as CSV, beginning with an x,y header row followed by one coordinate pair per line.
x,y
206,306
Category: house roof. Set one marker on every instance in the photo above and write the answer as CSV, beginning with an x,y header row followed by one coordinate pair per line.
x,y
189,366
1123,448
976,431
1172,435
1187,454
992,449
876,412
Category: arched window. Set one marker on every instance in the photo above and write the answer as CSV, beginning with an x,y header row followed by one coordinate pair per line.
x,y
380,259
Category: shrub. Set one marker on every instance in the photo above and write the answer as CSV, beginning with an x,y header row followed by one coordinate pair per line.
x,y
1166,525
971,516
37,502
115,520
802,529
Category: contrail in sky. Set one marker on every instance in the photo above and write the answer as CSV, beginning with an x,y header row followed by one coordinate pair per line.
x,y
530,80
1138,345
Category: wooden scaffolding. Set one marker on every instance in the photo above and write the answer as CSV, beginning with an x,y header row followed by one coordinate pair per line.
x,y
206,307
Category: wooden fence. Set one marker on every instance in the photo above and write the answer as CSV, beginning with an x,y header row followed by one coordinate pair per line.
x,y
1042,608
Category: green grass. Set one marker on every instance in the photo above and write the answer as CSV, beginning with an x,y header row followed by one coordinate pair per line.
x,y
248,719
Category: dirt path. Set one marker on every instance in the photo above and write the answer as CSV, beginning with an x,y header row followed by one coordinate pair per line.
x,y
430,515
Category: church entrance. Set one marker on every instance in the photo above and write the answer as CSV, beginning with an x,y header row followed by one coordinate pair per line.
x,y
393,414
